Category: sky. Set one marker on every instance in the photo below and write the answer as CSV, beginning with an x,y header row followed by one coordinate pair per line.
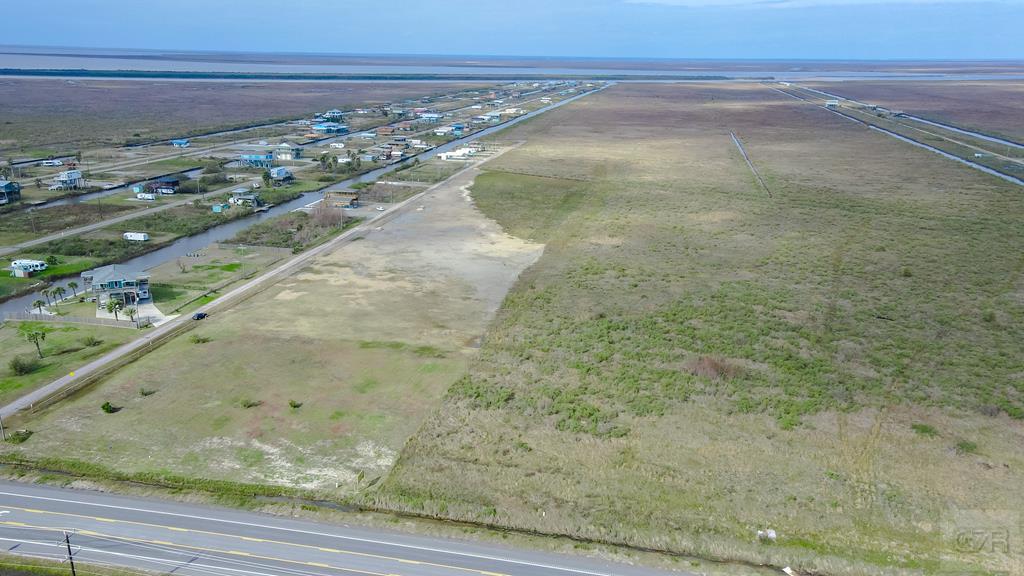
x,y
767,29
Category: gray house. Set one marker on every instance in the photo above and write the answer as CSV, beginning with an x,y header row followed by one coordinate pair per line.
x,y
117,282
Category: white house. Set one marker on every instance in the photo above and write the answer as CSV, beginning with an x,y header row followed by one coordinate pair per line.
x,y
68,179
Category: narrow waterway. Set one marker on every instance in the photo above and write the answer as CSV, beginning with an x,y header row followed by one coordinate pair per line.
x,y
197,242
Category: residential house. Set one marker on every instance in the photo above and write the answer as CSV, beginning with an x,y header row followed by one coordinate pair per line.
x,y
68,180
165,185
280,173
117,282
257,159
385,130
9,192
333,114
245,197
330,128
286,151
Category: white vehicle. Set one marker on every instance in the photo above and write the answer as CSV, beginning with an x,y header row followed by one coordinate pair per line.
x,y
51,163
145,196
28,265
381,208
136,236
337,145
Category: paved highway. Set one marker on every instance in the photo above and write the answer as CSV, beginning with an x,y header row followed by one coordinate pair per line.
x,y
191,540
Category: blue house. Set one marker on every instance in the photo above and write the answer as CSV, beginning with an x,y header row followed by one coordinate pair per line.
x,y
181,143
330,128
9,191
257,159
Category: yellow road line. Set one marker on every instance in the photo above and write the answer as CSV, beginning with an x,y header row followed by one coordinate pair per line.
x,y
207,550
281,542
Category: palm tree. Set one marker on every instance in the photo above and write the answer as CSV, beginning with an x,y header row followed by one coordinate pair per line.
x,y
74,288
113,306
46,292
39,304
131,311
35,337
58,293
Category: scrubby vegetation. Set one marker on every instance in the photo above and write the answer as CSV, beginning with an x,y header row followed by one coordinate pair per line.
x,y
692,360
295,230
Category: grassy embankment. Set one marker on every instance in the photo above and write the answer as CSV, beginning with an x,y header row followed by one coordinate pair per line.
x,y
692,361
14,565
296,231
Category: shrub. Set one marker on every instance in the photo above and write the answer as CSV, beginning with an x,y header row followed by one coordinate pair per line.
x,y
197,339
924,429
146,392
19,436
91,341
965,447
295,404
110,408
251,403
21,365
714,367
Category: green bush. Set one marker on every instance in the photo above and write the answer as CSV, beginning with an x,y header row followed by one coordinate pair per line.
x,y
924,429
22,365
110,408
251,403
198,339
19,436
295,404
965,447
91,341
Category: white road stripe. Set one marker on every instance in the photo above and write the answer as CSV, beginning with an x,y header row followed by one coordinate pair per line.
x,y
324,534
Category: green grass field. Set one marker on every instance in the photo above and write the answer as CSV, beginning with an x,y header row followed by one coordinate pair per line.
x,y
692,360
66,347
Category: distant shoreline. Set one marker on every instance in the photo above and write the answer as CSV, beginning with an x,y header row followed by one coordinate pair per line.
x,y
342,77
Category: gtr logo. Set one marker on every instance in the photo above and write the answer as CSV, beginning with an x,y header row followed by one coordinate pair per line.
x,y
975,540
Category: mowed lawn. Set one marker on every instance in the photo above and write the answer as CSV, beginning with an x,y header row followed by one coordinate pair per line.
x,y
692,361
65,348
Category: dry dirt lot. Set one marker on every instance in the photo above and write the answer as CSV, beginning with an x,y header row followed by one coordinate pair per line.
x,y
367,338
67,114
691,360
992,107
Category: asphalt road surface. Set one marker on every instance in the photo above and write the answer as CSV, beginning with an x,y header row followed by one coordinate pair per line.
x,y
189,540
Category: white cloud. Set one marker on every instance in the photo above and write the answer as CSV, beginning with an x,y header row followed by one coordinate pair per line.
x,y
803,3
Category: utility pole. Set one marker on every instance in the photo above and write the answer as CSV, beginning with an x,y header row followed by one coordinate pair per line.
x,y
2,431
71,558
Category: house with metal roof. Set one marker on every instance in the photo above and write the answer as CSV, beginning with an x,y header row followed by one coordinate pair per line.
x,y
257,159
117,282
330,128
9,191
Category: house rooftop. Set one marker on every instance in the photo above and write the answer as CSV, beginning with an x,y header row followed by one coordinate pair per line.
x,y
105,274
